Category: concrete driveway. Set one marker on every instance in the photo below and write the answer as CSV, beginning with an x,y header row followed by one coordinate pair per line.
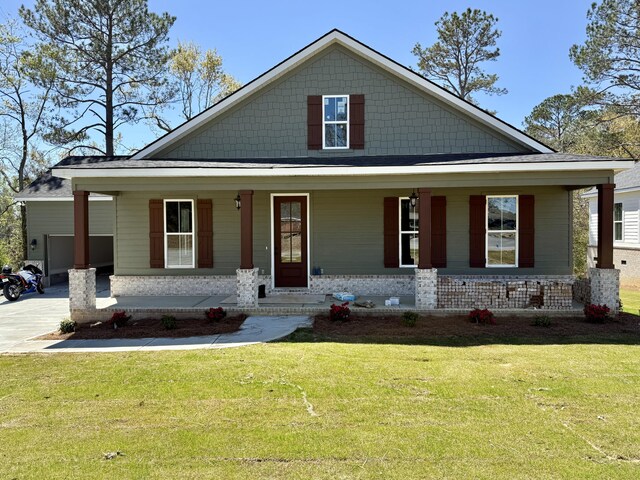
x,y
36,314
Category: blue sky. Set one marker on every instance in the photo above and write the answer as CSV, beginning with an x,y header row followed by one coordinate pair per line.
x,y
252,36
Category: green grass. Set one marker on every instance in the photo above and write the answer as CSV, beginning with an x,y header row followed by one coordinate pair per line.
x,y
630,300
325,410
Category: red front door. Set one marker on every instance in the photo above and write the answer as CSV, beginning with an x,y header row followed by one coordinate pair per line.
x,y
290,228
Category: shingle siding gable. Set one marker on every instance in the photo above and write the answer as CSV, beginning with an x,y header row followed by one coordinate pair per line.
x,y
399,119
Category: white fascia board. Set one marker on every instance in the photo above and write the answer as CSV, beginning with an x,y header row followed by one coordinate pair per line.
x,y
617,190
376,58
627,189
104,198
338,171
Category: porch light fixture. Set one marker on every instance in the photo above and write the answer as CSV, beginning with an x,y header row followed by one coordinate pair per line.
x,y
33,244
237,200
413,199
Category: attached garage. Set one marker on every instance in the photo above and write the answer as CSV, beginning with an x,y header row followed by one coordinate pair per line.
x,y
49,202
58,258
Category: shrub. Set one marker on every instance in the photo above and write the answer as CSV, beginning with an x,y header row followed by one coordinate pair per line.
x,y
339,312
409,318
543,321
596,313
484,316
119,319
168,322
215,314
68,326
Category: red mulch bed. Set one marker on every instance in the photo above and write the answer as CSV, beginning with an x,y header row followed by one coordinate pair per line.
x,y
152,327
391,327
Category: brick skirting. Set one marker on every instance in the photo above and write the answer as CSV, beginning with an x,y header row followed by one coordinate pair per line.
x,y
545,292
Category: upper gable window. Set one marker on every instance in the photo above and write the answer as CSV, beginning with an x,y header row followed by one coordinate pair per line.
x,y
335,121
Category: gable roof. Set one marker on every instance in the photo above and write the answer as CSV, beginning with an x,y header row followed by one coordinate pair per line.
x,y
336,37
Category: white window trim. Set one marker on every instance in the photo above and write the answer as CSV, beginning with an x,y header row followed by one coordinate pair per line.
x,y
335,122
401,232
193,235
621,221
487,231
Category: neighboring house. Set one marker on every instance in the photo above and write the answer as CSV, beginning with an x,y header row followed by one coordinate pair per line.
x,y
49,202
326,155
626,226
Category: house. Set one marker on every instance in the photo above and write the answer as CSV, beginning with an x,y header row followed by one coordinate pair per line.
x,y
49,203
626,226
340,169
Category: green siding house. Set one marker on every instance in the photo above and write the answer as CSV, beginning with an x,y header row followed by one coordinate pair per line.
x,y
340,169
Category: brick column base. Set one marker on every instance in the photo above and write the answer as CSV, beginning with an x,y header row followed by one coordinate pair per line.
x,y
426,288
605,287
247,287
82,290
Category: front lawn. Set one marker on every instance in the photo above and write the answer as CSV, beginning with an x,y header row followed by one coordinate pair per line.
x,y
630,300
326,410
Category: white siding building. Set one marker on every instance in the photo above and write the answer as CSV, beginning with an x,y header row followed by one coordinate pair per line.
x,y
626,229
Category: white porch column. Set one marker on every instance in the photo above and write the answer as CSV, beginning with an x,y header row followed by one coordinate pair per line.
x,y
247,287
426,288
605,287
82,290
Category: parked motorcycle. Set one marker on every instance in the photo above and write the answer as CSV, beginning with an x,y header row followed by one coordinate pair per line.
x,y
27,280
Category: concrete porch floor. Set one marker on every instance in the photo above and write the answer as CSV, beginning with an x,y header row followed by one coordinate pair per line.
x,y
197,303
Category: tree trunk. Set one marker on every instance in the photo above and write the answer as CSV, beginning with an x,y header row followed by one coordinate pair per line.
x,y
21,179
23,226
108,123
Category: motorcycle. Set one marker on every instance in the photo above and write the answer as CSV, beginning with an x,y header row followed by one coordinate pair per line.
x,y
27,280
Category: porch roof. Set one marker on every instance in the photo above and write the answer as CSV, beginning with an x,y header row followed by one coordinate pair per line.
x,y
121,166
48,188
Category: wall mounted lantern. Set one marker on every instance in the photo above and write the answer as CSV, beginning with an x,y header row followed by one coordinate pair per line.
x,y
413,199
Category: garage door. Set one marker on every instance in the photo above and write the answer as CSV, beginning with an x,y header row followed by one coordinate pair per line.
x,y
59,256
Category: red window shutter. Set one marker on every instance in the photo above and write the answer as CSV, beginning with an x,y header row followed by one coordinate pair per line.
x,y
477,231
205,233
526,231
356,122
314,122
156,233
391,233
439,232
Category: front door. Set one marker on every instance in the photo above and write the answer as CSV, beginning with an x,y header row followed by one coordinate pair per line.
x,y
290,228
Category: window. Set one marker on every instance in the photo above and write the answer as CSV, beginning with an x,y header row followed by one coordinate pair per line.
x,y
617,221
409,228
335,121
178,232
502,233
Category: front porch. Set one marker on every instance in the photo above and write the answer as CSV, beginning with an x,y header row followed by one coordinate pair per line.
x,y
536,264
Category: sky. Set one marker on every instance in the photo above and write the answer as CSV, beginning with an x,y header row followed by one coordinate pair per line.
x,y
253,36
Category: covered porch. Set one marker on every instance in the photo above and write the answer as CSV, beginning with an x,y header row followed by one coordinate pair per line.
x,y
353,237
